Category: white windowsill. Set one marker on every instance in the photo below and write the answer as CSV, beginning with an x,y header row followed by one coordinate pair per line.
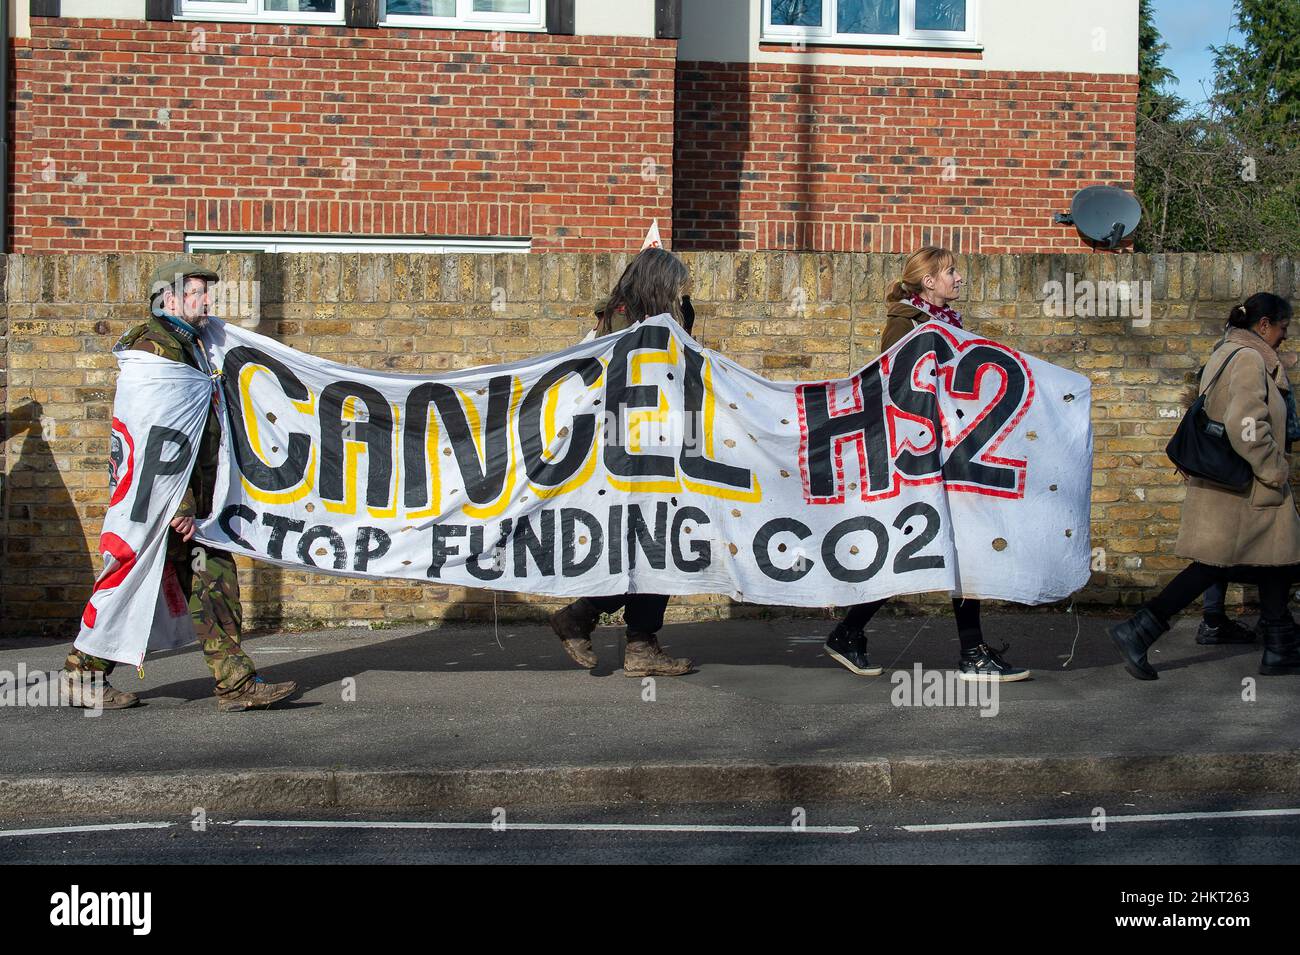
x,y
877,44
484,27
206,243
341,22
277,21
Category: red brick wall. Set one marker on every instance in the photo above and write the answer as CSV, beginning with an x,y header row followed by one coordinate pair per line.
x,y
126,134
774,156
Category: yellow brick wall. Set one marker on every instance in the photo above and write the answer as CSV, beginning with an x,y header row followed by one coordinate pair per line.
x,y
788,315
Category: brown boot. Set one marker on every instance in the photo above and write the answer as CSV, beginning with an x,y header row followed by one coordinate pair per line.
x,y
643,657
255,694
90,690
573,625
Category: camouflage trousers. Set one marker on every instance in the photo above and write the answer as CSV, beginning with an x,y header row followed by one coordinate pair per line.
x,y
208,578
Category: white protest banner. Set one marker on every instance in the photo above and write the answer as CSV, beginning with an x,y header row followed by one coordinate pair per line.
x,y
642,462
158,416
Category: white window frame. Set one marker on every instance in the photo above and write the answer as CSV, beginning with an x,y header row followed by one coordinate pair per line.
x,y
209,242
253,11
466,19
907,36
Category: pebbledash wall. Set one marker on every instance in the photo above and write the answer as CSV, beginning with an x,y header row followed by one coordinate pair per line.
x,y
61,315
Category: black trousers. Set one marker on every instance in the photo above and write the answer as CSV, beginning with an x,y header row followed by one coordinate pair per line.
x,y
642,612
1274,584
966,610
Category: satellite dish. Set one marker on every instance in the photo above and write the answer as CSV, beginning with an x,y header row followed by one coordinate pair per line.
x,y
1104,215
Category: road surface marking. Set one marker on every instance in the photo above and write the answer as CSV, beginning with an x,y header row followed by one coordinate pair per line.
x,y
110,827
536,826
1109,820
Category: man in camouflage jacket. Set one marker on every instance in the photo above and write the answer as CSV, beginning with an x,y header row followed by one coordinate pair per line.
x,y
179,304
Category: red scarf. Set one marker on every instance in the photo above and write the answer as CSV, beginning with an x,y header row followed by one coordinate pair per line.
x,y
948,316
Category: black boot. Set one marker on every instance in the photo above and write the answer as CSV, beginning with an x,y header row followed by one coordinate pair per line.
x,y
984,663
1281,649
849,649
1223,630
1133,638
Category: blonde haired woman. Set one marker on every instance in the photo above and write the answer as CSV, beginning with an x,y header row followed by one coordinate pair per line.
x,y
929,284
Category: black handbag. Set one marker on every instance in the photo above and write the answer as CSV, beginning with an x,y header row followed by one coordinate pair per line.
x,y
1200,447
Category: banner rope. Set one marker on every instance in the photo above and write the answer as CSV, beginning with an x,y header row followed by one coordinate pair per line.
x,y
909,643
1078,627
496,631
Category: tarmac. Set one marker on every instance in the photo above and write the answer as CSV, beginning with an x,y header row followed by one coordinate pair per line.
x,y
482,715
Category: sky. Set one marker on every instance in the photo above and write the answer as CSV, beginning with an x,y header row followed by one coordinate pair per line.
x,y
1189,26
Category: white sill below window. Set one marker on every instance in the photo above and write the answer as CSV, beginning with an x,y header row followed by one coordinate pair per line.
x,y
320,21
339,21
221,243
484,28
876,43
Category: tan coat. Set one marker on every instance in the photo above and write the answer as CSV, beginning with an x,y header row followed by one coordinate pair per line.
x,y
901,319
1259,526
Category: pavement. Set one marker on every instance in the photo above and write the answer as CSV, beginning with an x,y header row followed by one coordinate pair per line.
x,y
477,716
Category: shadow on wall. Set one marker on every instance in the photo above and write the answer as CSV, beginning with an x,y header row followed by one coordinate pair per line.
x,y
264,604
43,530
711,137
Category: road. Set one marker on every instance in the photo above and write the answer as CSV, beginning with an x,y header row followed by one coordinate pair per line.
x,y
1066,828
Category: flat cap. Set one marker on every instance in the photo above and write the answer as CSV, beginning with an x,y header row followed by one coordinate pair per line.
x,y
178,269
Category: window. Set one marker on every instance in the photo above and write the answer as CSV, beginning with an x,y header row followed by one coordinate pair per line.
x,y
466,14
242,242
919,23
271,11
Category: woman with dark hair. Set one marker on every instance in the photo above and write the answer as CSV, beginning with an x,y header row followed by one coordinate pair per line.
x,y
1215,626
929,285
652,284
1250,535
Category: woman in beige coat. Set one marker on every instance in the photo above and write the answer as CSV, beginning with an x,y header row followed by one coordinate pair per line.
x,y
1252,535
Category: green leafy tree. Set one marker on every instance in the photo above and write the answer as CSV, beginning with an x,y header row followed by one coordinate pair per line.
x,y
1227,177
1258,80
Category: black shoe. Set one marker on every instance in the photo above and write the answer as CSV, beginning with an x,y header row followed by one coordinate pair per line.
x,y
1133,638
1281,650
849,649
985,663
1227,632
